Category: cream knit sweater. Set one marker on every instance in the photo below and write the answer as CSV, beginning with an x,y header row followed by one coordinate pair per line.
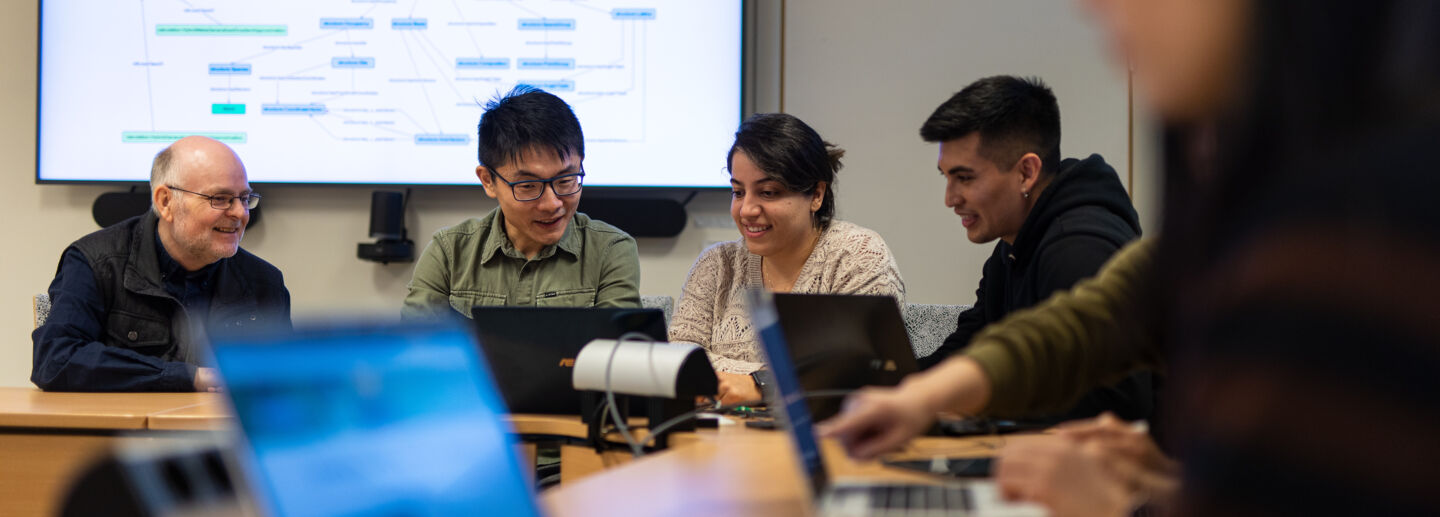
x,y
713,313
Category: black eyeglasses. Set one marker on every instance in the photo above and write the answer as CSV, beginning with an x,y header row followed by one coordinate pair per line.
x,y
222,201
530,190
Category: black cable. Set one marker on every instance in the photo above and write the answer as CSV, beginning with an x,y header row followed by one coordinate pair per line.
x,y
404,205
656,431
689,198
594,434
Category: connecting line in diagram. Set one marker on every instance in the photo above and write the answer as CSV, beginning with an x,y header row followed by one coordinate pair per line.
x,y
149,88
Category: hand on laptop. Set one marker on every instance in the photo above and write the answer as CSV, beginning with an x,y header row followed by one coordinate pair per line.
x,y
1067,476
880,420
1099,466
736,388
206,379
1124,441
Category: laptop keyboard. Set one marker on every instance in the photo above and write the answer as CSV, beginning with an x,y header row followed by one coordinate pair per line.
x,y
900,497
901,501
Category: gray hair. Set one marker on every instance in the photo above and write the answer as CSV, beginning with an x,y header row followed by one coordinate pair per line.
x,y
161,170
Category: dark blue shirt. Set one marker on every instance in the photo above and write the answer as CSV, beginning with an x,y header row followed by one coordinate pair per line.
x,y
191,288
78,308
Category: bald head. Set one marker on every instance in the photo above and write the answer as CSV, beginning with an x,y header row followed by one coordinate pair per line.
x,y
190,154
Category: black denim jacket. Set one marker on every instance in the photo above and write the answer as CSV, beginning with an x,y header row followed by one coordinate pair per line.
x,y
113,325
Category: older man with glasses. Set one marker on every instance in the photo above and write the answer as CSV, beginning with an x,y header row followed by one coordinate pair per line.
x,y
535,249
131,302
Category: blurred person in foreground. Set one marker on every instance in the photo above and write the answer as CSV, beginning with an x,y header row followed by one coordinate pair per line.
x,y
1292,293
1097,466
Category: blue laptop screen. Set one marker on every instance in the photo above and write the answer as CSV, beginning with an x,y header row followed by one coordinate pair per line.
x,y
381,422
787,383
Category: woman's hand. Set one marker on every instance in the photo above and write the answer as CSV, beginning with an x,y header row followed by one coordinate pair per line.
x,y
736,388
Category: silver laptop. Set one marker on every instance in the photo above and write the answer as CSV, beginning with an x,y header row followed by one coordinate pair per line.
x,y
853,498
377,421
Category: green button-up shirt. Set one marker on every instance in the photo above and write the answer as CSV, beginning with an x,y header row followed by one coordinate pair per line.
x,y
474,263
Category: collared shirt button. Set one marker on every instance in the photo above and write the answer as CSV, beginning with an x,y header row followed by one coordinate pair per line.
x,y
132,335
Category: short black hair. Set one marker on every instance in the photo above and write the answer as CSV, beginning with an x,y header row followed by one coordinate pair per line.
x,y
1014,116
527,117
790,152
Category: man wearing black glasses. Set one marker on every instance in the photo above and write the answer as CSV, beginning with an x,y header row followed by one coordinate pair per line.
x,y
131,302
534,249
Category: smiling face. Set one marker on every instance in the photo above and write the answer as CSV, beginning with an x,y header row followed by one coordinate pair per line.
x,y
775,221
194,233
991,202
533,225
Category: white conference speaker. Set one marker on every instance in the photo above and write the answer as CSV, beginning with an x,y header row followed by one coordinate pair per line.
x,y
660,369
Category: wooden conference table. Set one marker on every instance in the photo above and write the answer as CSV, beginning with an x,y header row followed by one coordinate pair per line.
x,y
46,438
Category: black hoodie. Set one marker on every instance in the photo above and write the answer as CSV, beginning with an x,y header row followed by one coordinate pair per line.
x,y
1080,219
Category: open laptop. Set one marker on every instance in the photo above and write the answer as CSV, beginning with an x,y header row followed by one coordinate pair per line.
x,y
532,349
375,421
844,342
970,497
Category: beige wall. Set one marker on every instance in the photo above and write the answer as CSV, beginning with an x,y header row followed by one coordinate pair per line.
x,y
864,73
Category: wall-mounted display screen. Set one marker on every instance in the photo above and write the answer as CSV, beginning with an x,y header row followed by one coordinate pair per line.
x,y
382,91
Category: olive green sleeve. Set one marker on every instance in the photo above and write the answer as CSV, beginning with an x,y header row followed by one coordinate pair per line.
x,y
428,297
1046,357
620,275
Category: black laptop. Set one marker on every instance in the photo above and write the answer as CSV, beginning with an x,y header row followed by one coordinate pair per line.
x,y
844,342
856,497
532,349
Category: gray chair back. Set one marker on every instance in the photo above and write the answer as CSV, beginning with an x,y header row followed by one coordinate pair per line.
x,y
929,325
662,302
42,309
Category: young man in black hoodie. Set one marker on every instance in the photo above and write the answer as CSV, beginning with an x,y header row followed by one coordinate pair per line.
x,y
1057,221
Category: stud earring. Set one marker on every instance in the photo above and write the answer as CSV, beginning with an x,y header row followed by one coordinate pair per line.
x,y
1025,193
